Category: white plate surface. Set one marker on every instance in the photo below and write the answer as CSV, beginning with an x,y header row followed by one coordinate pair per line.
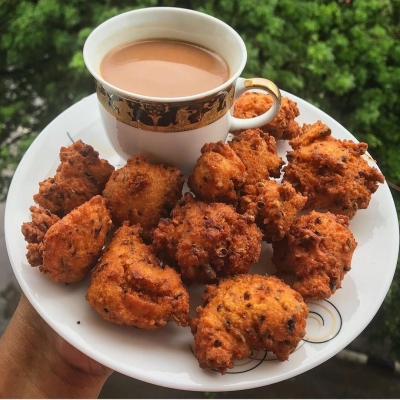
x,y
164,357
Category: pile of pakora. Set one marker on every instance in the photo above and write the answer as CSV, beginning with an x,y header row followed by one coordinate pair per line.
x,y
142,242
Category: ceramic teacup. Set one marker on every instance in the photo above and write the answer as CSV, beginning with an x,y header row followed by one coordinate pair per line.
x,y
172,130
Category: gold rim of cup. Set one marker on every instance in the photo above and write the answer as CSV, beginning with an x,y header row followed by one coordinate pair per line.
x,y
166,116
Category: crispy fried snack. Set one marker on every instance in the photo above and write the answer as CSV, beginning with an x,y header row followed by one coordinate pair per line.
x,y
142,193
129,287
245,313
208,241
332,173
273,206
72,246
80,176
258,152
283,126
318,250
218,174
35,231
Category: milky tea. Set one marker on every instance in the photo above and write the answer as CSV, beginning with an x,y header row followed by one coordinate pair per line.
x,y
163,68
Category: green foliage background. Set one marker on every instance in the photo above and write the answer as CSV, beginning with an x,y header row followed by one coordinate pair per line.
x,y
341,55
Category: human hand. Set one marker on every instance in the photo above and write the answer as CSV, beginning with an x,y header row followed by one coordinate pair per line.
x,y
36,362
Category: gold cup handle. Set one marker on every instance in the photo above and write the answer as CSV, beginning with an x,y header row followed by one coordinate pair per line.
x,y
244,85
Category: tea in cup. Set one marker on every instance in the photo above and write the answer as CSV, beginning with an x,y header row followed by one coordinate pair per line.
x,y
166,80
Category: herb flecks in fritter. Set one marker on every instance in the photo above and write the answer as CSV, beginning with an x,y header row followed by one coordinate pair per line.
x,y
142,193
72,246
130,287
80,176
218,174
331,173
208,240
34,232
244,313
283,126
273,206
317,250
258,152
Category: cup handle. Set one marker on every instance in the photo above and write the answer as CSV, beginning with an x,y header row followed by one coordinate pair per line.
x,y
244,85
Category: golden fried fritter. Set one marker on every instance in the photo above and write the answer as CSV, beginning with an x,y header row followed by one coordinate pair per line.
x,y
35,231
283,126
80,176
72,246
129,287
318,250
273,206
218,174
208,240
245,313
258,152
331,173
142,193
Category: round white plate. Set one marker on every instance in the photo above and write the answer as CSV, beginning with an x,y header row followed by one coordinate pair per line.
x,y
165,357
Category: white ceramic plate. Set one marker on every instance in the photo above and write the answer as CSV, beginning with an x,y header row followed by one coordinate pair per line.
x,y
164,357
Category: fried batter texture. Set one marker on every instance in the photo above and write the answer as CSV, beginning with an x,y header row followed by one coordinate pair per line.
x,y
129,287
273,206
331,173
35,231
258,152
208,240
318,250
218,174
245,313
73,244
142,193
80,176
283,126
